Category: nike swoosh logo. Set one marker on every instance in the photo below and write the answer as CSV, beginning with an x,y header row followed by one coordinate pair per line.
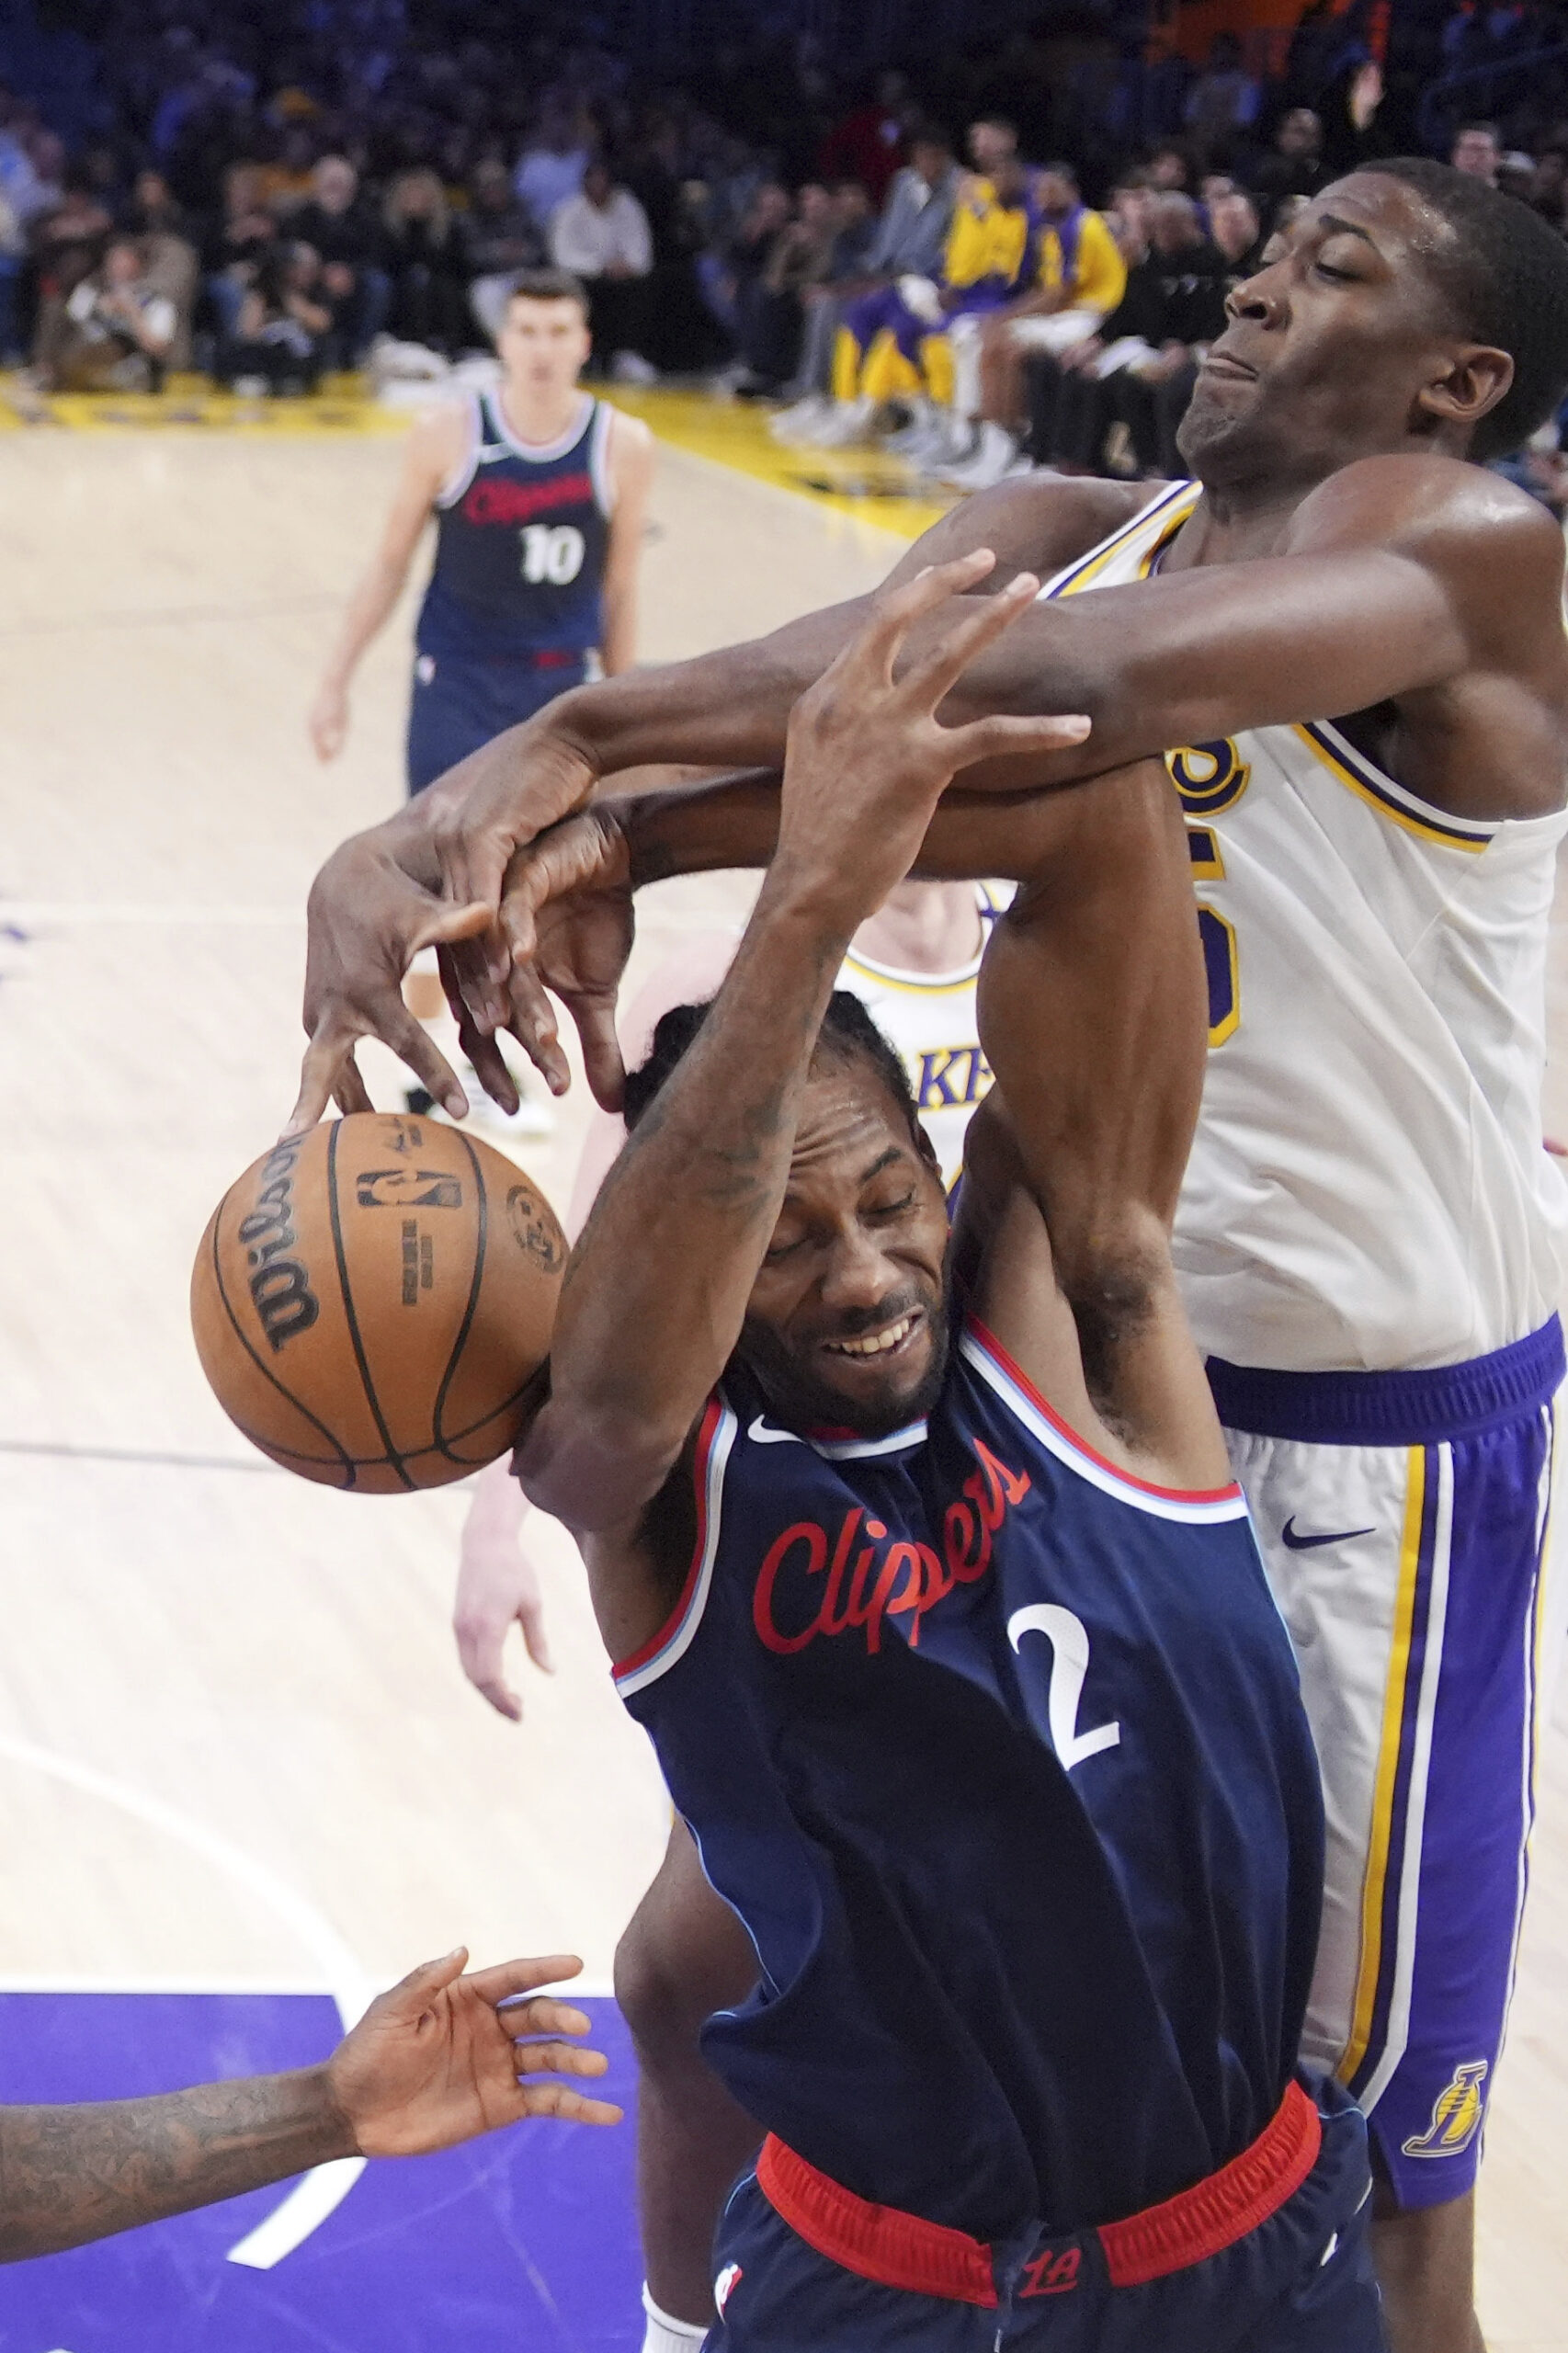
x,y
762,1436
1295,1543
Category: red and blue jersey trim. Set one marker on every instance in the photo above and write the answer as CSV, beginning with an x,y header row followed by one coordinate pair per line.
x,y
983,1351
674,1638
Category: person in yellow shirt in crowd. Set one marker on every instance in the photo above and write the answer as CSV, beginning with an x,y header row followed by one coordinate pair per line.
x,y
1079,279
900,342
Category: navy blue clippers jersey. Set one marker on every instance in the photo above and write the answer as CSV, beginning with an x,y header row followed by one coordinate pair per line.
x,y
999,1756
522,533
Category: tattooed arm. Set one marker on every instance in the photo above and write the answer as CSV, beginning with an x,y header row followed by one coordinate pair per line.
x,y
432,2062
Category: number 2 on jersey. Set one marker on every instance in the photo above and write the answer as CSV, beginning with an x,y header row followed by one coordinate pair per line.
x,y
552,555
1069,1640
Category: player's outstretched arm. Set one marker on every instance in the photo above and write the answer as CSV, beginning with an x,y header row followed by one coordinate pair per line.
x,y
657,1290
1092,1015
434,2062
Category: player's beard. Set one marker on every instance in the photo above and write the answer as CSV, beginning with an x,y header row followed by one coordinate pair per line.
x,y
798,1399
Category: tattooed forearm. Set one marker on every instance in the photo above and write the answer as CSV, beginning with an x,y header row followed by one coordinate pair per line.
x,y
68,2174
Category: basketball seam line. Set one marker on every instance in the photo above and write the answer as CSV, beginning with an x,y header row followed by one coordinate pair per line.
x,y
460,1342
392,1456
345,1457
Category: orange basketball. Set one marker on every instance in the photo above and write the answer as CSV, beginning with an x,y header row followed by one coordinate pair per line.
x,y
372,1303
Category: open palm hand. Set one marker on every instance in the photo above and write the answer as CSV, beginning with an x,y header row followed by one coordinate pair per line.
x,y
441,2057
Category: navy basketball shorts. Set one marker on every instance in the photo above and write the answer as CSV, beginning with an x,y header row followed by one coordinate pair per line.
x,y
1271,2255
460,702
1405,1521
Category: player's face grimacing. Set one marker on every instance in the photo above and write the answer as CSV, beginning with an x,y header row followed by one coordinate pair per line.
x,y
847,1322
544,345
1340,346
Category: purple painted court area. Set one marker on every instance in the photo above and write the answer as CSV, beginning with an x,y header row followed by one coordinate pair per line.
x,y
524,2242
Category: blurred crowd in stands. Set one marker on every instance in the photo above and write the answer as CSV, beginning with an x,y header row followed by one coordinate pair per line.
x,y
1011,253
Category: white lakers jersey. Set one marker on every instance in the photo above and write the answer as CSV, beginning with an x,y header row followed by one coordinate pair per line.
x,y
930,1018
1368,1187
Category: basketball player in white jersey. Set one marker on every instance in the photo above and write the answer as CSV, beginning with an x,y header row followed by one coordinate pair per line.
x,y
1350,639
914,966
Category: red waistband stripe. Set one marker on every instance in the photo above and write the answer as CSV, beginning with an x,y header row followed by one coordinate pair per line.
x,y
901,2250
874,2242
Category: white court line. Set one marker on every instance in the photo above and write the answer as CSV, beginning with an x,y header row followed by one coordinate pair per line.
x,y
23,912
570,1989
315,2197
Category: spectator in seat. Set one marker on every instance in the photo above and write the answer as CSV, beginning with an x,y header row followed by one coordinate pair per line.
x,y
1150,393
236,245
113,330
171,265
281,334
423,255
602,236
1222,102
909,240
334,222
772,317
1237,231
501,240
1079,279
552,162
1295,166
13,253
1477,151
868,145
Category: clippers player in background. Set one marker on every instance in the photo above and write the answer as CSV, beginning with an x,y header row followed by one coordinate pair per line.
x,y
539,496
927,1576
1348,637
914,964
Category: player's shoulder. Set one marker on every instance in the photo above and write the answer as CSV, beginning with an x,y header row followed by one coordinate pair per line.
x,y
1436,505
630,439
442,431
1033,523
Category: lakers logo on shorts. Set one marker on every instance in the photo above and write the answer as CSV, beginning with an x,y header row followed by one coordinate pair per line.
x,y
1456,2114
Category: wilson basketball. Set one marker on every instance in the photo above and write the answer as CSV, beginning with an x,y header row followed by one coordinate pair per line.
x,y
372,1303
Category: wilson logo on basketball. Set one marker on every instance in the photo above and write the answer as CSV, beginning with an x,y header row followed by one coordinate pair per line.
x,y
904,1580
280,1286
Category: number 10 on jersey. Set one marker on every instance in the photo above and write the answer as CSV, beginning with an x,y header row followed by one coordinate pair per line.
x,y
551,554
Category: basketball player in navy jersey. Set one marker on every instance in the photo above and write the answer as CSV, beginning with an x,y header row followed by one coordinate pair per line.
x,y
539,495
927,1576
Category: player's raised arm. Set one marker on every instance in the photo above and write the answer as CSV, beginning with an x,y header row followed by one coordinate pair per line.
x,y
655,1300
1092,1015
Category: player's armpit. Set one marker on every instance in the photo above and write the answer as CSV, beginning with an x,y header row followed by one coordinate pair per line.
x,y
1091,1005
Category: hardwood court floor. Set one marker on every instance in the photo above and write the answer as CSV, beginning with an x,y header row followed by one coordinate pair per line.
x,y
236,1750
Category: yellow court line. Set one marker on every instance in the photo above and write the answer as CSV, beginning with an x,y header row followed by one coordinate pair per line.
x,y
861,482
189,405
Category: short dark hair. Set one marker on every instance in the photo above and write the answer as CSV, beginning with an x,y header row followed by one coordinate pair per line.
x,y
550,286
1504,275
848,1030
